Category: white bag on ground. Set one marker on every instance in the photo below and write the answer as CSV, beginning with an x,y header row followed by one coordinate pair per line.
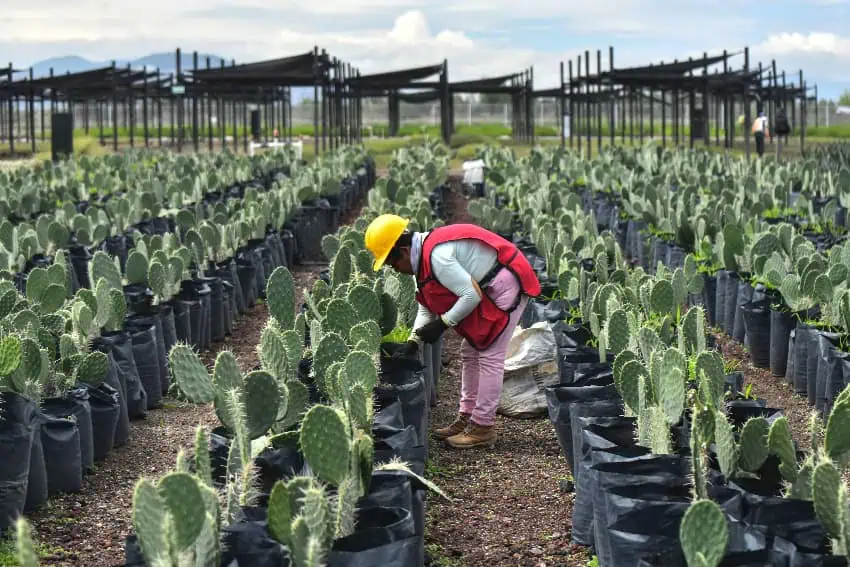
x,y
473,172
530,367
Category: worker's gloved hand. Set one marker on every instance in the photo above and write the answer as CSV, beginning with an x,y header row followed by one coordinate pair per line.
x,y
432,331
410,348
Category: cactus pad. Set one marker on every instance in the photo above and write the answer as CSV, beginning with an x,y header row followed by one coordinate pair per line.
x,y
365,302
182,497
261,397
149,521
339,317
618,331
704,534
754,447
280,295
190,374
366,336
727,450
837,437
326,443
226,372
10,355
92,369
297,402
331,348
826,487
360,368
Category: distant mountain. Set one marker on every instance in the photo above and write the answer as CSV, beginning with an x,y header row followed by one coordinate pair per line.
x,y
166,62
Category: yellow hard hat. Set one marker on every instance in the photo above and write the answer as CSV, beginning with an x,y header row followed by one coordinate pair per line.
x,y
381,236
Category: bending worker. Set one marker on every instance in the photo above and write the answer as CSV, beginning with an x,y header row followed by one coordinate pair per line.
x,y
474,281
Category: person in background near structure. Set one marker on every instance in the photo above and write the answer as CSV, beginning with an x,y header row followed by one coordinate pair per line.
x,y
760,130
474,281
783,126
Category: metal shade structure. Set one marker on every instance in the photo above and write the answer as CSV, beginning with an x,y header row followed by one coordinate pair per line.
x,y
619,96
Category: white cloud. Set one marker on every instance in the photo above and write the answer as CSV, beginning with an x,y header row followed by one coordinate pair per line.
x,y
823,56
381,35
815,43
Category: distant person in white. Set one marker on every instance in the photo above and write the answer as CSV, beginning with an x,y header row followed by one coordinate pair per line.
x,y
760,130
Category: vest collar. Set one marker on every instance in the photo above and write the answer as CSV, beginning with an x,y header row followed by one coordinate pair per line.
x,y
416,250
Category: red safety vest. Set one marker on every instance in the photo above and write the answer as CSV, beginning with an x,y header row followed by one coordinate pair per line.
x,y
487,322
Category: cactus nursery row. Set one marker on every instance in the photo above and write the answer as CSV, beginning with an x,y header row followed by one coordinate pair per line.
x,y
648,258
116,268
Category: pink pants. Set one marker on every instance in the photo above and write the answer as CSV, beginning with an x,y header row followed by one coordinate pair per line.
x,y
483,371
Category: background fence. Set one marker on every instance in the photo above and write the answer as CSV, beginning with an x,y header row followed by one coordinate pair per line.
x,y
545,113
375,113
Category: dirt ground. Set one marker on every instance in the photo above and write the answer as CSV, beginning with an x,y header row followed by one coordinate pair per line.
x,y
508,508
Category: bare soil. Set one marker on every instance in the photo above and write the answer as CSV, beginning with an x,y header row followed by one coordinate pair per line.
x,y
508,509
88,528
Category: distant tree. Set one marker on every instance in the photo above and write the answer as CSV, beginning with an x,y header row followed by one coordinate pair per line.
x,y
844,99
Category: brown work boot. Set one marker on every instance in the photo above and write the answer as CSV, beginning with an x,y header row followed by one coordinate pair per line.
x,y
474,436
458,426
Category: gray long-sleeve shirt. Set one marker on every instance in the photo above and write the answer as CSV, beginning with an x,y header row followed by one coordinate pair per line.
x,y
458,265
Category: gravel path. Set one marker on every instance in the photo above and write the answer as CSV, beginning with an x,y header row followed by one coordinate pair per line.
x,y
508,508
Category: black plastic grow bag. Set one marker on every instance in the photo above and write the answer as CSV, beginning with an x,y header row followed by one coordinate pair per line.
x,y
118,345
403,379
721,285
143,322
105,411
146,356
249,544
80,256
757,322
384,536
619,432
63,460
781,325
37,478
16,432
75,404
403,445
744,296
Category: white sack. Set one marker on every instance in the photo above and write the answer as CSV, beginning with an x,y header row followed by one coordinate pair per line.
x,y
530,367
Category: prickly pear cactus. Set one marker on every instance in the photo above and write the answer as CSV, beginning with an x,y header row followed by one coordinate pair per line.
x,y
331,348
10,355
754,448
168,516
326,443
781,444
280,295
340,317
190,374
837,436
704,534
92,369
710,378
830,497
365,302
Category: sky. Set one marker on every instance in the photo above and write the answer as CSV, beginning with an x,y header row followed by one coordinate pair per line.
x,y
480,38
